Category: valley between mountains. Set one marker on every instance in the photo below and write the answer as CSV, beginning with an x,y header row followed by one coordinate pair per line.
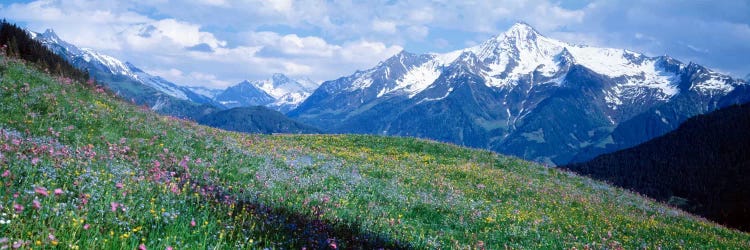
x,y
123,162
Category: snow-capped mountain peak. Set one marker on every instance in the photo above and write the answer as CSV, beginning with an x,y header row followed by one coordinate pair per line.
x,y
520,34
521,28
106,66
51,35
279,92
512,56
279,85
50,39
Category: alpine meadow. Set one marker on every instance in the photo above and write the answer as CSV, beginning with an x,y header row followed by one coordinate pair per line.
x,y
331,125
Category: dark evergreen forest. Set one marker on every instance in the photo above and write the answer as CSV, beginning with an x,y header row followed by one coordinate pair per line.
x,y
702,167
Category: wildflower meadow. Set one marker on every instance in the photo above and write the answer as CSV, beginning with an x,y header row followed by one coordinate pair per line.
x,y
81,169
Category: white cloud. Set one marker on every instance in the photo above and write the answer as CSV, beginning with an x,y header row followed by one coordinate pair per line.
x,y
309,46
388,27
365,51
281,6
190,79
422,15
265,53
214,2
168,32
417,32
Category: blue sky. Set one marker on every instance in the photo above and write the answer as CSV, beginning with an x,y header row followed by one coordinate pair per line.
x,y
217,43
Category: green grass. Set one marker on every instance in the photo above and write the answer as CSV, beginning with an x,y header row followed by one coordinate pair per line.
x,y
253,191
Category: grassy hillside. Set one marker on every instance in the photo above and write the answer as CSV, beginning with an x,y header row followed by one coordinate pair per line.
x,y
82,170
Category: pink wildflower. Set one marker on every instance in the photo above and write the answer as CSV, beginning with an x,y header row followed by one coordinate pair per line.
x,y
6,173
192,223
169,248
58,191
118,185
142,247
51,237
86,227
41,191
114,205
34,161
332,243
183,163
157,163
175,189
18,207
37,204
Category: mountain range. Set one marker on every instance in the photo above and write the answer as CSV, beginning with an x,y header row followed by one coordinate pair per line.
x,y
518,93
523,94
279,92
131,83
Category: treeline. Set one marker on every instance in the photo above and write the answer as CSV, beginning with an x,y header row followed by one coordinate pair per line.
x,y
18,43
702,167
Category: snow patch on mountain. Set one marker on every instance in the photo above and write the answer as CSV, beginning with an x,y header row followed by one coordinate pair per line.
x,y
427,99
156,82
715,83
113,65
417,79
362,82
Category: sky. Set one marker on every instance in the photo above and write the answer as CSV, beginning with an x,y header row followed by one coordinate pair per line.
x,y
217,43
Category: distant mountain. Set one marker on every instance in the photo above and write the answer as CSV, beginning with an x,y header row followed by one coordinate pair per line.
x,y
287,92
244,94
523,94
130,82
278,92
197,103
256,119
702,166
